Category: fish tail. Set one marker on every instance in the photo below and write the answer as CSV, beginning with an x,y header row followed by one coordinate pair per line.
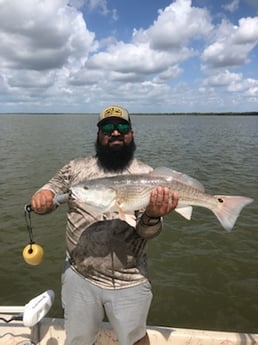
x,y
228,209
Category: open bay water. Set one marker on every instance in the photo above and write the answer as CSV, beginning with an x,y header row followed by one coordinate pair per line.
x,y
202,276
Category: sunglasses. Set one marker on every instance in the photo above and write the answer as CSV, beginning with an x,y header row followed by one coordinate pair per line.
x,y
108,128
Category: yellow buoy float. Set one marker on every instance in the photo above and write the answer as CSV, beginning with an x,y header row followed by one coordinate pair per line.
x,y
33,254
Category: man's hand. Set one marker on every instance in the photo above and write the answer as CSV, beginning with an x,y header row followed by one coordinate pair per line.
x,y
42,202
161,203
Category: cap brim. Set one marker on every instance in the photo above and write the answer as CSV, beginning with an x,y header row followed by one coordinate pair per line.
x,y
107,119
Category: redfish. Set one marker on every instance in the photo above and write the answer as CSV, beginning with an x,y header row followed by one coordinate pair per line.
x,y
128,193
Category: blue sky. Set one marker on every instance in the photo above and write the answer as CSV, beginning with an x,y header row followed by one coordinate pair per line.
x,y
146,55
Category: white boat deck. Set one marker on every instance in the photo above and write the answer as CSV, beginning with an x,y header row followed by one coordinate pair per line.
x,y
51,332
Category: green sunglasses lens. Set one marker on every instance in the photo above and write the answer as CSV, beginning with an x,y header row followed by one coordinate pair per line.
x,y
108,128
123,128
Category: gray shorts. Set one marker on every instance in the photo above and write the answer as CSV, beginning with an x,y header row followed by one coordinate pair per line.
x,y
85,305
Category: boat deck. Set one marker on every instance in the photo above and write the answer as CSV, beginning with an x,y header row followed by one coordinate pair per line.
x,y
50,331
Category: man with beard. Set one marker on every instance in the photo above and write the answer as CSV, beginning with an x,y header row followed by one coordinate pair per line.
x,y
106,268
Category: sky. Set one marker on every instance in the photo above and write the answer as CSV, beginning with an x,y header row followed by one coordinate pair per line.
x,y
79,56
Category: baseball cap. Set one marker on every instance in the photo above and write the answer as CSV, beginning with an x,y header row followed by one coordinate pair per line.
x,y
114,111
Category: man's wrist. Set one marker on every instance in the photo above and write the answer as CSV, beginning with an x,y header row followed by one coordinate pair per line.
x,y
149,220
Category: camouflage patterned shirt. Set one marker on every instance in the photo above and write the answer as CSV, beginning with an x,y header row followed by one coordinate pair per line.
x,y
103,248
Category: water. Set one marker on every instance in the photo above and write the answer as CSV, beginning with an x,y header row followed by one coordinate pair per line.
x,y
202,277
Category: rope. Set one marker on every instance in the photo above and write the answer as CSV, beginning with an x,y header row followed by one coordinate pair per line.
x,y
27,215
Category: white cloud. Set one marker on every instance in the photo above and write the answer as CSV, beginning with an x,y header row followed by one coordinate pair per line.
x,y
248,86
232,6
31,79
247,32
39,42
233,83
128,58
76,3
157,50
169,74
252,92
41,35
232,44
100,5
175,26
223,78
49,60
85,77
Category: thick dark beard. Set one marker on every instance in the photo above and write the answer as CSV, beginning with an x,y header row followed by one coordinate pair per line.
x,y
115,158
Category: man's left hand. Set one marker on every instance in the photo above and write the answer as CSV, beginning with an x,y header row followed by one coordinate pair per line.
x,y
161,202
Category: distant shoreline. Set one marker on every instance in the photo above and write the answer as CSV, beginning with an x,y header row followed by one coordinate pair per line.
x,y
252,113
247,113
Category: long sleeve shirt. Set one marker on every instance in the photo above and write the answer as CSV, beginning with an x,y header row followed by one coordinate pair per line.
x,y
108,251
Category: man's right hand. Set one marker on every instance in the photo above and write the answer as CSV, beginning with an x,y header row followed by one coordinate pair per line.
x,y
42,201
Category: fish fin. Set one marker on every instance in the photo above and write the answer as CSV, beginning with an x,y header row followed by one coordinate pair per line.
x,y
129,218
186,211
229,208
120,212
173,175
